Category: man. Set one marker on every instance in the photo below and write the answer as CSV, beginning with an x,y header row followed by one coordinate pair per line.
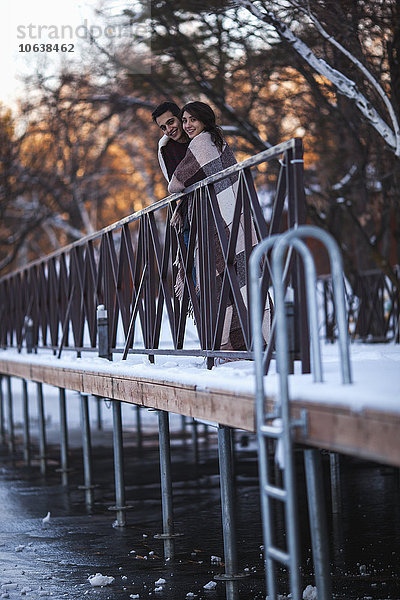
x,y
173,145
171,150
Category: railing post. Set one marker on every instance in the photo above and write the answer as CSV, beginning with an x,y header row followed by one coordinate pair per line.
x,y
42,429
329,323
29,334
64,437
149,294
25,407
289,311
102,329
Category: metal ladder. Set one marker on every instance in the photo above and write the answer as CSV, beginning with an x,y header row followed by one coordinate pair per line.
x,y
278,425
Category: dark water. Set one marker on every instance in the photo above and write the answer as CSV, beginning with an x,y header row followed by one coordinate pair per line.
x,y
55,560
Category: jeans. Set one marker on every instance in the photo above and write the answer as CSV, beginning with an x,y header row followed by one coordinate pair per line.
x,y
186,233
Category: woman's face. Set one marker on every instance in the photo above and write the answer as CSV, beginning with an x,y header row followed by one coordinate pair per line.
x,y
191,125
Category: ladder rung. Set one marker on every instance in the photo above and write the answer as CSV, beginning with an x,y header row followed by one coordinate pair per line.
x,y
279,555
271,431
275,492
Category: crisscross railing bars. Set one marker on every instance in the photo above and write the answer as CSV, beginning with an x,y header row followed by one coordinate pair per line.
x,y
372,305
130,268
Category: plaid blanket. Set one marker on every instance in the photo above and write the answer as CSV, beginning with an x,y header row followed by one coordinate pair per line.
x,y
203,159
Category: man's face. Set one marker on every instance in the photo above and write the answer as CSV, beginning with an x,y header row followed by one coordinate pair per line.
x,y
171,126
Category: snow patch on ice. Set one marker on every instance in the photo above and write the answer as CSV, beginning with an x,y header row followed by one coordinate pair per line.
x,y
310,593
100,580
211,585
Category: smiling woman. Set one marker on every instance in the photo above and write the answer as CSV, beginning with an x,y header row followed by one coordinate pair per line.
x,y
207,154
207,146
192,125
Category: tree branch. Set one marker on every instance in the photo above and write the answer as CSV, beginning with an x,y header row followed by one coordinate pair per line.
x,y
361,67
343,84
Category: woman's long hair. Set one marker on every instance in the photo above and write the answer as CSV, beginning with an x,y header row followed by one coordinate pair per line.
x,y
204,113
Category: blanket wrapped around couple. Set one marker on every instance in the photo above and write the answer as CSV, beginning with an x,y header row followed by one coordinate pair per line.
x,y
203,159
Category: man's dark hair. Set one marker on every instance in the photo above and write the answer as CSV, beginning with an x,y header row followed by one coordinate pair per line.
x,y
163,108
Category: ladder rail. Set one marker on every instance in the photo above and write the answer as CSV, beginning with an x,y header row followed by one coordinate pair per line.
x,y
280,244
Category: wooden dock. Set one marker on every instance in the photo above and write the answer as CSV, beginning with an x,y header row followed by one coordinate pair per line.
x,y
368,434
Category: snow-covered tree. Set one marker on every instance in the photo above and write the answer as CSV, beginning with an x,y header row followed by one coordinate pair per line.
x,y
354,77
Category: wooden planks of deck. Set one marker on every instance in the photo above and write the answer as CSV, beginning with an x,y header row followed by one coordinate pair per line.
x,y
367,434
224,407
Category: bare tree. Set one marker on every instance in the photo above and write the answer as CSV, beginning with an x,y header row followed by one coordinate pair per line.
x,y
71,169
327,71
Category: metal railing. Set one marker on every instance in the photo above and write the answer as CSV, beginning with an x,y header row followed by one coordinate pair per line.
x,y
373,307
129,268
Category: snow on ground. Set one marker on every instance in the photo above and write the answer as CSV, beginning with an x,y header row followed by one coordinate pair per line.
x,y
375,367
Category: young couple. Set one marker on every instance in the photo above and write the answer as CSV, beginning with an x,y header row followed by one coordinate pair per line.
x,y
192,149
190,135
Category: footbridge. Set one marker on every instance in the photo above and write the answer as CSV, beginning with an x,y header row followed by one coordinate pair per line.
x,y
100,317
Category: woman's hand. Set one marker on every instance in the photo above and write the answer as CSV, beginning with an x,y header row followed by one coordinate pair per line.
x,y
176,219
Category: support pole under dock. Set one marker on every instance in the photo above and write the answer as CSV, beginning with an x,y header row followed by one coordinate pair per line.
x,y
25,408
120,506
10,425
334,463
318,525
64,437
195,441
183,428
139,431
86,451
2,427
231,576
166,486
99,417
42,429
